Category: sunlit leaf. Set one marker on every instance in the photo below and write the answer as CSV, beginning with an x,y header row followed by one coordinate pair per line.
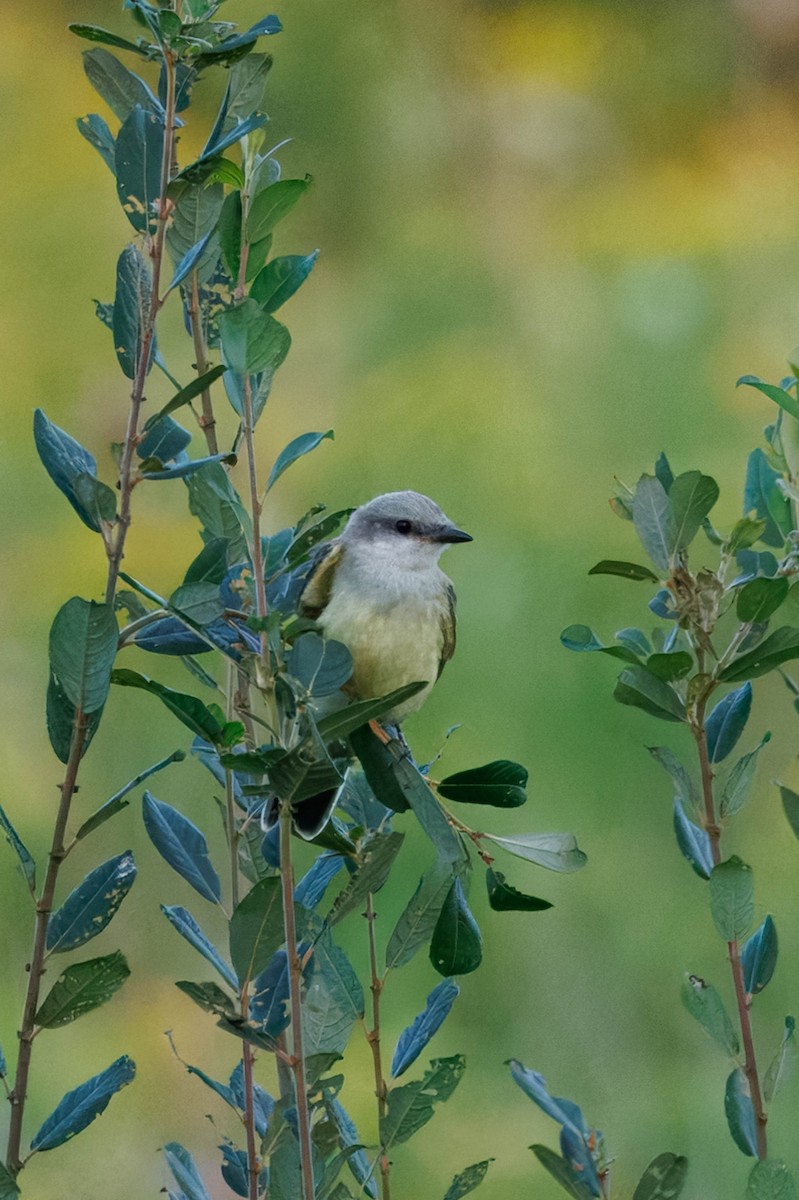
x,y
691,495
555,851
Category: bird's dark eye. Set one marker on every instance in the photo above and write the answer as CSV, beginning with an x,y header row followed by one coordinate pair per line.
x,y
404,526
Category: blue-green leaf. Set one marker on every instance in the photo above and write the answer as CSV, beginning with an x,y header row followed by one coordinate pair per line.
x,y
26,862
83,646
137,159
256,929
119,87
731,903
759,957
581,639
348,1138
639,688
131,308
64,460
776,1069
694,842
740,1113
466,1181
280,279
79,1107
81,988
418,920
272,204
183,846
663,1179
762,496
727,721
654,520
187,927
771,1180
187,708
96,132
739,781
760,598
300,446
322,666
779,647
705,1004
252,341
190,260
411,1106
91,905
413,1040
185,1172
164,440
269,1004
119,800
9,1189
691,496
333,999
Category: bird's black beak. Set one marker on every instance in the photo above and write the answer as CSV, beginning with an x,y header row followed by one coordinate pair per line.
x,y
449,533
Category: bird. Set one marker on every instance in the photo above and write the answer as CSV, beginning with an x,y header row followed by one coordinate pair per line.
x,y
378,588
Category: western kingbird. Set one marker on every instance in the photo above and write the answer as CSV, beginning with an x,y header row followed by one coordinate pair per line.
x,y
378,588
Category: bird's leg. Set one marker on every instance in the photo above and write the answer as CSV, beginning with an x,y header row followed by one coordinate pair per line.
x,y
380,732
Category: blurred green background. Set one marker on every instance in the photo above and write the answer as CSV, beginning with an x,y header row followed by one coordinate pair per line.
x,y
552,236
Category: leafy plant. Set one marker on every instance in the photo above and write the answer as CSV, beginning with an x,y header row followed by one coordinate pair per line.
x,y
290,754
716,635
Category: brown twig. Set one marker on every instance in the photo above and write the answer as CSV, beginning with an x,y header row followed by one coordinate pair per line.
x,y
115,549
733,952
373,1038
295,978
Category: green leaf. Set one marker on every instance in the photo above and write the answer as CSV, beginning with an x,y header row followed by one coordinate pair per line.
x,y
776,1070
685,788
83,645
210,565
504,898
96,498
187,927
760,598
300,446
663,1179
90,906
320,665
790,804
195,216
79,1107
26,862
252,341
377,860
581,638
182,845
195,715
426,807
706,1005
785,400
333,999
214,501
692,495
80,988
771,1180
418,920
65,461
639,688
739,781
272,204
61,721
410,1107
625,570
555,851
119,87
185,1173
137,160
759,957
468,1180
744,534
562,1171
281,278
256,929
781,646
93,33
500,784
188,393
654,520
762,495
119,800
9,1189
131,308
208,996
342,723
740,1113
456,947
669,667
731,904
199,601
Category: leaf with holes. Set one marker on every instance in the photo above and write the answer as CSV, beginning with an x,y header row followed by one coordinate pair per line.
x,y
91,905
410,1107
663,1179
80,988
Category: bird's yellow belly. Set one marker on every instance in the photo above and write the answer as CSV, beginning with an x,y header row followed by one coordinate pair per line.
x,y
389,647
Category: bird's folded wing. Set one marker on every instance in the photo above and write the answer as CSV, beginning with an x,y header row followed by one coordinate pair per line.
x,y
447,630
316,593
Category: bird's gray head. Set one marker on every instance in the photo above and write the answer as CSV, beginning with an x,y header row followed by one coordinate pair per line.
x,y
407,523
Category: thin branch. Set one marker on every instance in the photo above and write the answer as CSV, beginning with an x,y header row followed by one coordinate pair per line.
x,y
207,420
115,553
373,1038
295,977
36,967
733,952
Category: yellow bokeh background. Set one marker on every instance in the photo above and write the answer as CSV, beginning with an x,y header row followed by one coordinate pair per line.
x,y
552,236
